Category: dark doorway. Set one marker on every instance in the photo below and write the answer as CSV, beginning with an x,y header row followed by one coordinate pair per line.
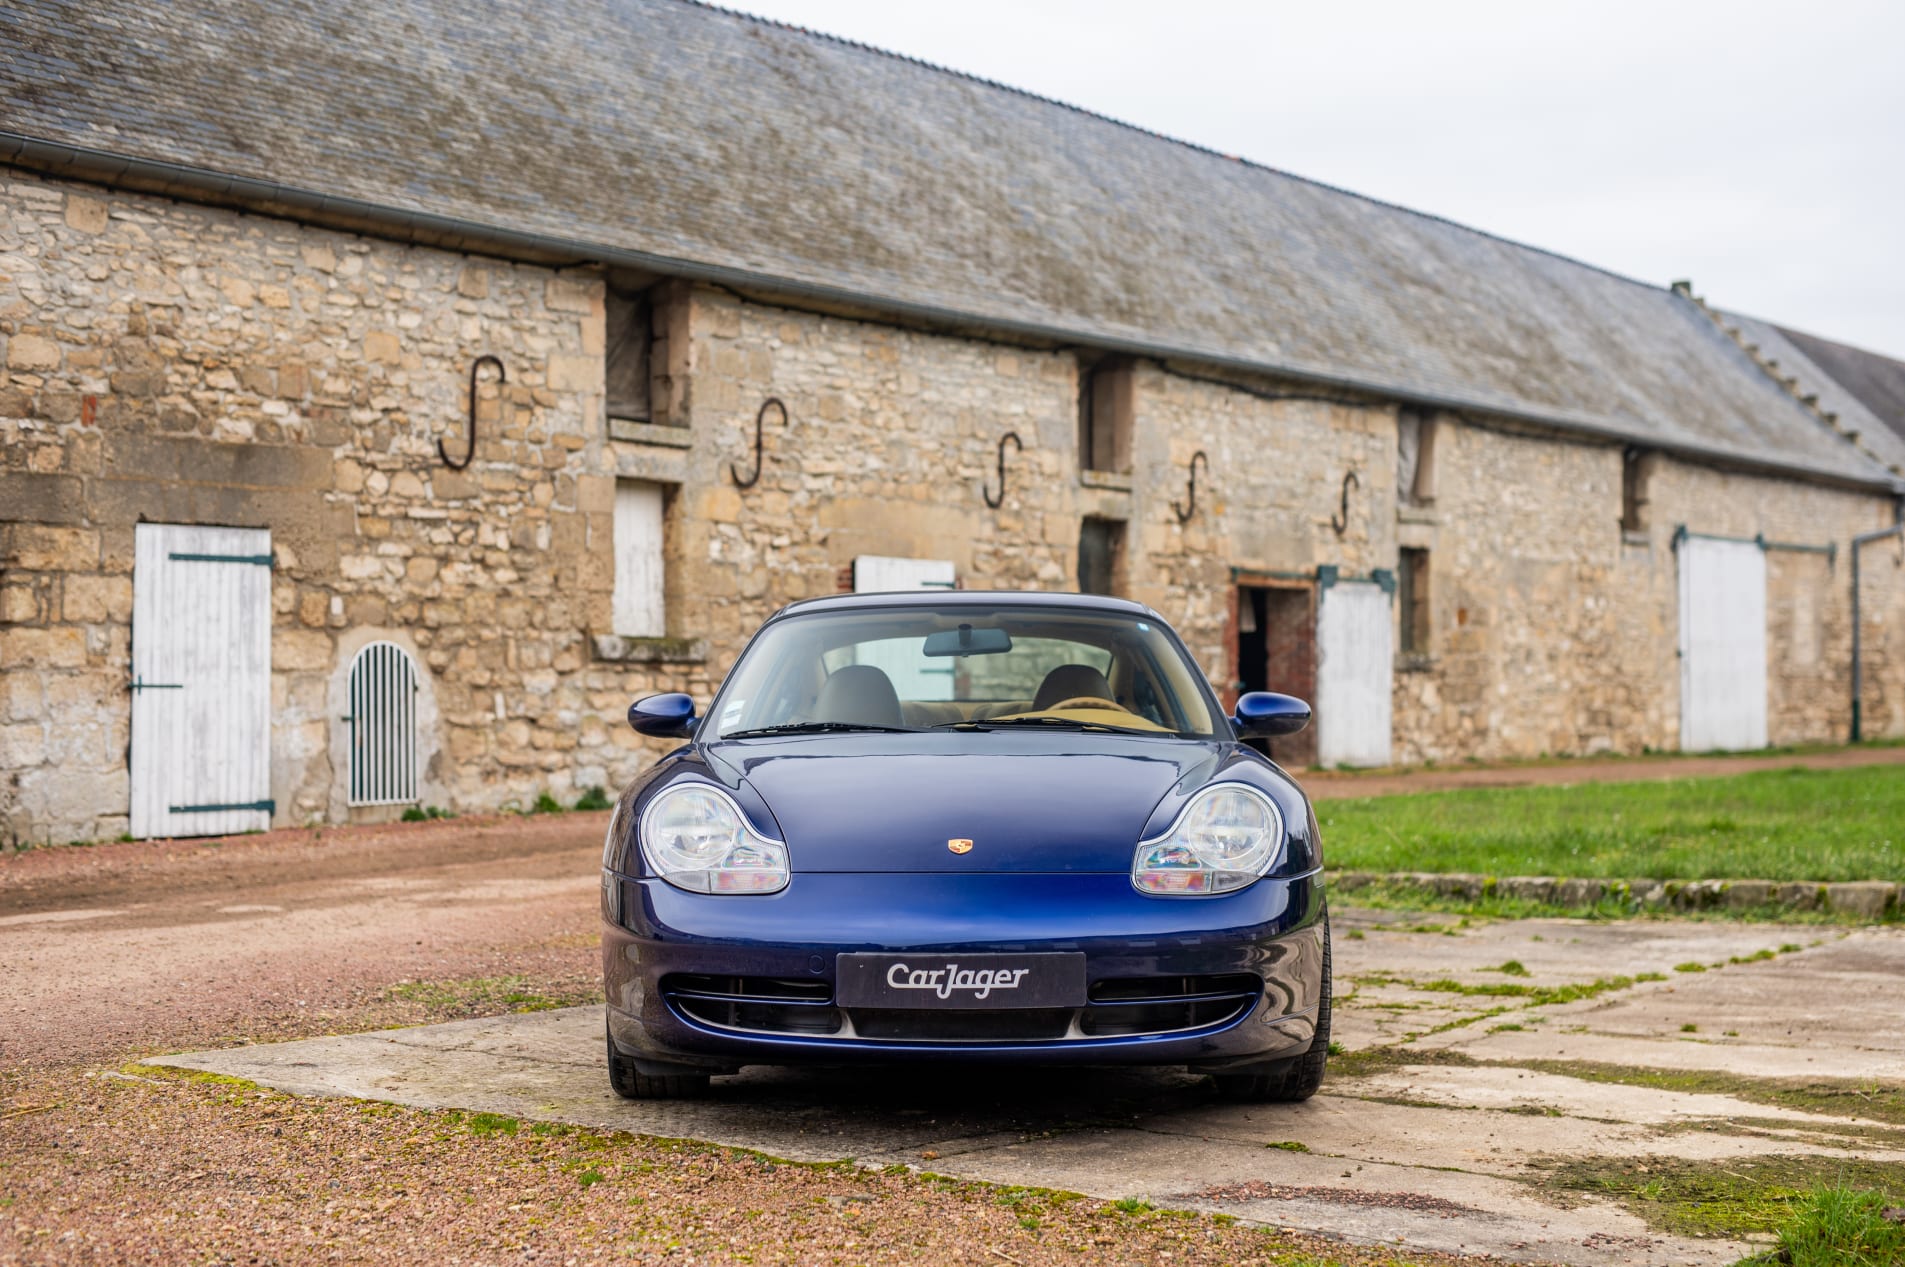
x,y
1101,556
1276,651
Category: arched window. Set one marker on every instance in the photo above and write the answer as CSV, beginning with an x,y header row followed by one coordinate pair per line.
x,y
383,721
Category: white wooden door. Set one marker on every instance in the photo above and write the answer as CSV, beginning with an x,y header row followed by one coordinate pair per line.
x,y
913,677
1722,645
201,680
1354,669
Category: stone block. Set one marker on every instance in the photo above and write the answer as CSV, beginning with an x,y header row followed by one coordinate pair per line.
x,y
46,548
1529,888
1802,896
21,697
1745,894
20,605
96,598
383,348
300,650
1866,899
575,373
22,745
1459,885
32,353
61,647
43,497
87,215
1697,895
572,294
1578,892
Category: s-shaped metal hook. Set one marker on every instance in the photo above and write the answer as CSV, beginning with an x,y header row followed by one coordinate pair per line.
x,y
996,502
1185,512
760,419
502,376
1340,521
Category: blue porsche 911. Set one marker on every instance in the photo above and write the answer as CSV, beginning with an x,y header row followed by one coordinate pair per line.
x,y
960,826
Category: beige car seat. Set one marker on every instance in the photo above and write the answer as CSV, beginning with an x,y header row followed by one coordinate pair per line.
x,y
858,695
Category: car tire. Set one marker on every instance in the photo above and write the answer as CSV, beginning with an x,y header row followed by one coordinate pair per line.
x,y
1287,1081
631,1083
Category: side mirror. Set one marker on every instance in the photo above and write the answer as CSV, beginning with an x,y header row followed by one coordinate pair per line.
x,y
670,716
1265,715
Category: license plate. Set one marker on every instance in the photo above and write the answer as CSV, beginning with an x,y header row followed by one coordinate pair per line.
x,y
962,982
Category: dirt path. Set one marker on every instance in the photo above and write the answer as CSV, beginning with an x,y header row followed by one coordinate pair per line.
x,y
146,945
1337,784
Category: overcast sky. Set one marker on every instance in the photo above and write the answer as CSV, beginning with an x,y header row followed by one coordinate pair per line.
x,y
1757,149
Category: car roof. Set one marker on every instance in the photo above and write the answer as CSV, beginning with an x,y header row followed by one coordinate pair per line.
x,y
990,599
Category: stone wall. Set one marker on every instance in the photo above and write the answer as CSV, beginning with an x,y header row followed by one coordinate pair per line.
x,y
183,364
179,364
1555,632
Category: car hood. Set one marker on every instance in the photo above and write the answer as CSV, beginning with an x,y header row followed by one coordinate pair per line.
x,y
1074,802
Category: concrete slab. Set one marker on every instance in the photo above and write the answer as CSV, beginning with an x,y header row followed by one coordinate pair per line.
x,y
1432,1155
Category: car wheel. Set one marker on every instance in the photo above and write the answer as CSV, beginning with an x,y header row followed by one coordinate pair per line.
x,y
632,1084
1287,1081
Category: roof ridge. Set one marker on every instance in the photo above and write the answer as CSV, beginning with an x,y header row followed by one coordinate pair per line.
x,y
1860,348
971,77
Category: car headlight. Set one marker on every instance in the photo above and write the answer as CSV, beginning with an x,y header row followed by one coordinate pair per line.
x,y
695,837
1220,842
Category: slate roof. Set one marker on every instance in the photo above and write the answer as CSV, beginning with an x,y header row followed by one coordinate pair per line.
x,y
663,128
1841,377
1878,382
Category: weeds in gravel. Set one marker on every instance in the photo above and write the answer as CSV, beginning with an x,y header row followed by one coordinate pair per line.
x,y
1864,1101
1748,1196
481,996
1837,1226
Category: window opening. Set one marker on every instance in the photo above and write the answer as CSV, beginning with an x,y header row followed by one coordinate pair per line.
x,y
1412,592
1415,457
630,347
383,722
1637,471
1105,407
1101,556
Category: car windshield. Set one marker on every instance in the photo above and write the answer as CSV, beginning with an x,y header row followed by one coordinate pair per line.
x,y
926,666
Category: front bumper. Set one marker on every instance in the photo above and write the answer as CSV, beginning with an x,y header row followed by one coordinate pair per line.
x,y
656,938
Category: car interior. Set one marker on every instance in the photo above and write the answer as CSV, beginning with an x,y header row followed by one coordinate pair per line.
x,y
905,676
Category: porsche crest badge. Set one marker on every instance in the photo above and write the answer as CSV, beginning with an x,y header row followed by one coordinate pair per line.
x,y
959,846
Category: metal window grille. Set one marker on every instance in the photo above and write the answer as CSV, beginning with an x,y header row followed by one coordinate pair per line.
x,y
383,722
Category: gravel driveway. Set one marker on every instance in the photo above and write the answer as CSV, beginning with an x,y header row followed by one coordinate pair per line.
x,y
1507,1087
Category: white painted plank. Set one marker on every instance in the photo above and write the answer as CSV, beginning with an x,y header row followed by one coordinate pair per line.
x,y
880,574
638,610
1722,645
1354,669
202,658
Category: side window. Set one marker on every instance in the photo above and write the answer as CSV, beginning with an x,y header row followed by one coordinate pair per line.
x,y
629,351
1106,403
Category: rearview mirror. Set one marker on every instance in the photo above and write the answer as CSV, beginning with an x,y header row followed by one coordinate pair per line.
x,y
670,716
966,640
1265,715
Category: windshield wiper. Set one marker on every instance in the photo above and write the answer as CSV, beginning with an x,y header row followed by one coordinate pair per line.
x,y
1056,723
813,728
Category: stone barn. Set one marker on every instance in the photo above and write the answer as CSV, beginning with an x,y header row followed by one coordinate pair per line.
x,y
388,399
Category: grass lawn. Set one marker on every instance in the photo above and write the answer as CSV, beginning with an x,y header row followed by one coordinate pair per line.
x,y
1769,825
